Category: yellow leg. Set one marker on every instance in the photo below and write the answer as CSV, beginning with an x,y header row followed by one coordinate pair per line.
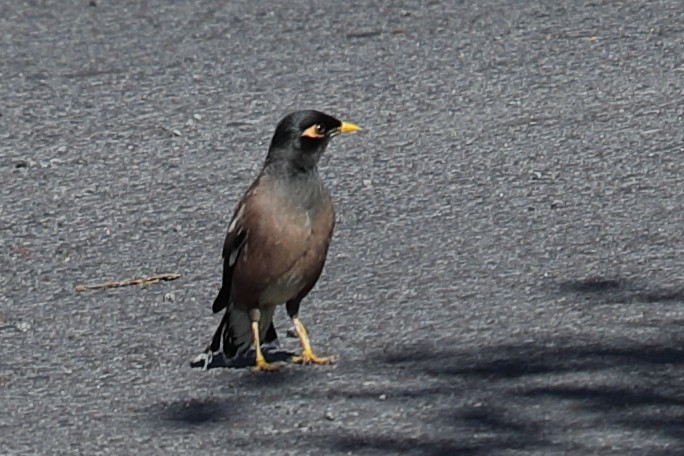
x,y
308,356
261,364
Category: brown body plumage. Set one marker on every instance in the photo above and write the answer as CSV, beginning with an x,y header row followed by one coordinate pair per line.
x,y
278,239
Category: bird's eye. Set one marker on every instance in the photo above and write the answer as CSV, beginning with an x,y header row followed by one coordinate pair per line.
x,y
316,131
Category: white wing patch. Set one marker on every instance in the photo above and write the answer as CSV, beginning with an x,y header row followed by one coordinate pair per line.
x,y
236,225
237,218
233,257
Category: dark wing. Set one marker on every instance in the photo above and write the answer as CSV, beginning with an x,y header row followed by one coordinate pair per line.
x,y
234,328
232,246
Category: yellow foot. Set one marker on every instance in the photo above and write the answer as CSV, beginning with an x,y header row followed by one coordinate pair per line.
x,y
263,366
310,358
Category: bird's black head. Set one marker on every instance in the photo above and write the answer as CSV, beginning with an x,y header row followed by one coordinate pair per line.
x,y
301,138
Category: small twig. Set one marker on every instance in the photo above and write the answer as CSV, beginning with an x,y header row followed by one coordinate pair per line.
x,y
124,283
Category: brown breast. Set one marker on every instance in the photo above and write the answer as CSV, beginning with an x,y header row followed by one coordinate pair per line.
x,y
285,250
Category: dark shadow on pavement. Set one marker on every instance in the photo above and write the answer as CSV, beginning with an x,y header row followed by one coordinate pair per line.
x,y
605,398
618,291
194,412
544,397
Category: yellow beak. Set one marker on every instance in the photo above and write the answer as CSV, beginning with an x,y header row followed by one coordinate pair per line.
x,y
348,127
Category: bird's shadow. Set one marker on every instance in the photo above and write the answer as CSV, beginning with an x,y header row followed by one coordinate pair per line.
x,y
195,412
272,352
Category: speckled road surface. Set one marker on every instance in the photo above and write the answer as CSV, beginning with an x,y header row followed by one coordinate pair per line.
x,y
506,274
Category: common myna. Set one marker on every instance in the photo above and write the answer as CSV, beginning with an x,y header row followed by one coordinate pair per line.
x,y
277,240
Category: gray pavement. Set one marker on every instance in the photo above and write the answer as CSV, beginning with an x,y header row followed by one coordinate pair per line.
x,y
506,274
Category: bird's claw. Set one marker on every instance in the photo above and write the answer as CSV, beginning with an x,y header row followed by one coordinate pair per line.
x,y
310,358
202,361
266,367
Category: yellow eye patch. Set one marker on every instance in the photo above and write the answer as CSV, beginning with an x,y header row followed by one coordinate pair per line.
x,y
314,132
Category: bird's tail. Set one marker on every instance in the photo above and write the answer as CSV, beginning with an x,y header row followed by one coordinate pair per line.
x,y
234,331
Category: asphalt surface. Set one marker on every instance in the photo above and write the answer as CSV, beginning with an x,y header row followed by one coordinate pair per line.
x,y
506,273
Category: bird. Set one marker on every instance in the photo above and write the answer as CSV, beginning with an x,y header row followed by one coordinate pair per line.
x,y
277,241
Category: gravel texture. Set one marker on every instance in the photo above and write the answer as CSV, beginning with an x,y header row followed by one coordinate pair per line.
x,y
506,273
